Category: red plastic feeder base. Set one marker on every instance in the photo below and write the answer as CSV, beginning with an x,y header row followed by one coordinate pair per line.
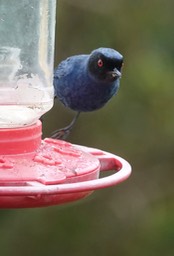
x,y
35,172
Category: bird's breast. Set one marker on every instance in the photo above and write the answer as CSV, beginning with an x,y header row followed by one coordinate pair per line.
x,y
89,96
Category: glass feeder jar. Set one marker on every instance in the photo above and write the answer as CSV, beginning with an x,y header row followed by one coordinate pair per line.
x,y
27,29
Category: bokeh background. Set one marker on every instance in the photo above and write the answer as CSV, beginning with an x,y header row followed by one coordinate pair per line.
x,y
137,216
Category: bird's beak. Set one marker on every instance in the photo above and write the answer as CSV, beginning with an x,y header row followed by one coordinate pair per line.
x,y
115,73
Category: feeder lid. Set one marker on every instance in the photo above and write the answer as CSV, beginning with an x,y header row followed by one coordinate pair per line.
x,y
35,172
54,162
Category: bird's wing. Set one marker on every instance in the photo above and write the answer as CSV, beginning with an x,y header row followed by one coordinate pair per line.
x,y
63,68
69,65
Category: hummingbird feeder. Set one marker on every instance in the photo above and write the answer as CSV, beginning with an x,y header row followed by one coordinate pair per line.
x,y
36,172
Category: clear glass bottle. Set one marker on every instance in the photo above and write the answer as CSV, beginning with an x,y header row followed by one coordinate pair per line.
x,y
27,29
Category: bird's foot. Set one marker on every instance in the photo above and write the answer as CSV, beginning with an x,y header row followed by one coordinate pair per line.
x,y
61,134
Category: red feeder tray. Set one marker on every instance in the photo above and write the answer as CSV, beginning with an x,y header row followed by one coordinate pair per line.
x,y
35,172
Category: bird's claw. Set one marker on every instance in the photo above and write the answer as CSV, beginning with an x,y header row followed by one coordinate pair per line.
x,y
60,134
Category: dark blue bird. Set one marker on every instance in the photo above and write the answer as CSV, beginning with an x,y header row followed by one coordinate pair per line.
x,y
87,82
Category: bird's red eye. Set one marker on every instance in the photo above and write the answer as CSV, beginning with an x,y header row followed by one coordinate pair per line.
x,y
100,63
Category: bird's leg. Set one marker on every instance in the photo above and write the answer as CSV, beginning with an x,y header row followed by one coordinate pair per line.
x,y
63,133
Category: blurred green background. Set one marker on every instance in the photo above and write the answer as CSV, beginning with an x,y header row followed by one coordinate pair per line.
x,y
137,216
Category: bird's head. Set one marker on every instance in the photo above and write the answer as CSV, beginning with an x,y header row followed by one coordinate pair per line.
x,y
105,64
